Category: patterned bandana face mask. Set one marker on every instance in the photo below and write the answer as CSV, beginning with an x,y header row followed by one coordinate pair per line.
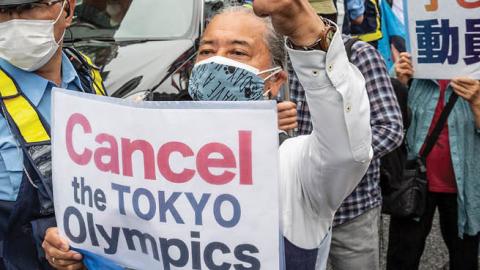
x,y
220,78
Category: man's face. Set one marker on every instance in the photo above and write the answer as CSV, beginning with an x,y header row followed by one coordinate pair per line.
x,y
43,11
240,38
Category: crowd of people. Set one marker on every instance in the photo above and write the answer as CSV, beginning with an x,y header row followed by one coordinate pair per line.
x,y
343,72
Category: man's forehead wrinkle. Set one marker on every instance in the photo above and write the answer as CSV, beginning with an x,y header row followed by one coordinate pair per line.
x,y
228,41
207,42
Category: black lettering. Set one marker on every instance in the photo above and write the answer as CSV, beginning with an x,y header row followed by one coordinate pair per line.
x,y
196,253
82,234
91,230
208,256
75,186
142,239
100,200
165,245
168,206
112,241
241,256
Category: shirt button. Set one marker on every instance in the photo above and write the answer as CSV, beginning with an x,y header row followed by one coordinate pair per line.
x,y
348,107
330,67
315,73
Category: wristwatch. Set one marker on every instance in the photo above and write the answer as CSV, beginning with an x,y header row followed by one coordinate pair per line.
x,y
320,44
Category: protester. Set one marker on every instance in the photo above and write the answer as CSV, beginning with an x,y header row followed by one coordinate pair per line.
x,y
367,29
208,50
355,11
355,235
393,36
317,171
453,173
31,64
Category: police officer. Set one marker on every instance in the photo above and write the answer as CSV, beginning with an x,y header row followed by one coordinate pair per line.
x,y
32,62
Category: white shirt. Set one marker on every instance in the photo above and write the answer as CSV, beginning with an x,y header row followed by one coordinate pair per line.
x,y
318,171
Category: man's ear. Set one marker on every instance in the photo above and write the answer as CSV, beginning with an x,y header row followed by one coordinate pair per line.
x,y
69,9
275,82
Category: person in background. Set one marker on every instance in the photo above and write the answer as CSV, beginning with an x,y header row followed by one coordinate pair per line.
x,y
453,171
31,64
368,27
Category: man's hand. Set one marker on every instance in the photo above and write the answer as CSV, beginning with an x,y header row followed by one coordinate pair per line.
x,y
287,115
58,254
468,89
404,68
293,18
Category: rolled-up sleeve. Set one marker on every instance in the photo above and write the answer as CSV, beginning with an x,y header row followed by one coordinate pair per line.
x,y
319,170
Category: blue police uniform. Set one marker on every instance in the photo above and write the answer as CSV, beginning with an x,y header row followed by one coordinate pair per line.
x,y
23,217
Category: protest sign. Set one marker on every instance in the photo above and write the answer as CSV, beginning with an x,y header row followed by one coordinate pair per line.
x,y
158,185
444,38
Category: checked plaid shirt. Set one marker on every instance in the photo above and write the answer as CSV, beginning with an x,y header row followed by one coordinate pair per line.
x,y
385,119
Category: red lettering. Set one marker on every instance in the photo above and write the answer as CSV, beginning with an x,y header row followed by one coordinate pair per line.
x,y
204,163
85,157
468,4
215,162
245,152
111,152
163,160
146,148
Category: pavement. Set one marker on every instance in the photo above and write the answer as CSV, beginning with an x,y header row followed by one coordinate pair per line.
x,y
435,255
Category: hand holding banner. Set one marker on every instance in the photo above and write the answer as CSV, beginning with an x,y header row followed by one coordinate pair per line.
x,y
169,185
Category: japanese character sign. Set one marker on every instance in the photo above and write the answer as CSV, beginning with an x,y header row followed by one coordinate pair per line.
x,y
444,37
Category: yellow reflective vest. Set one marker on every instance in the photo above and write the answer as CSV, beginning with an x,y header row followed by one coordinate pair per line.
x,y
22,112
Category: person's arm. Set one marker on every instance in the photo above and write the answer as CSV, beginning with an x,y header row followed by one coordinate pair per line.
x,y
469,89
386,117
336,155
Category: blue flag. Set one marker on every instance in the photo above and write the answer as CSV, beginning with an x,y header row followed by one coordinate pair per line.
x,y
93,261
391,26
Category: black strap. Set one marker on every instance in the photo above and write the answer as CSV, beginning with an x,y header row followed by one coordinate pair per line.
x,y
82,67
282,136
348,47
433,137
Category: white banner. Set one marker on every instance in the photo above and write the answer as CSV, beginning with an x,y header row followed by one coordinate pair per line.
x,y
444,37
159,185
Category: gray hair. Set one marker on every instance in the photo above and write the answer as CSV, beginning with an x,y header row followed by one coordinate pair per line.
x,y
274,41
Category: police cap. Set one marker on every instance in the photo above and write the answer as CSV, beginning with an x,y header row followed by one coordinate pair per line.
x,y
6,3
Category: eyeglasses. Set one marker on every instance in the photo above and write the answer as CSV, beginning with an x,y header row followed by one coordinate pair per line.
x,y
29,7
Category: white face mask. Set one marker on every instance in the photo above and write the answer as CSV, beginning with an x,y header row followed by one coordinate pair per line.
x,y
28,44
